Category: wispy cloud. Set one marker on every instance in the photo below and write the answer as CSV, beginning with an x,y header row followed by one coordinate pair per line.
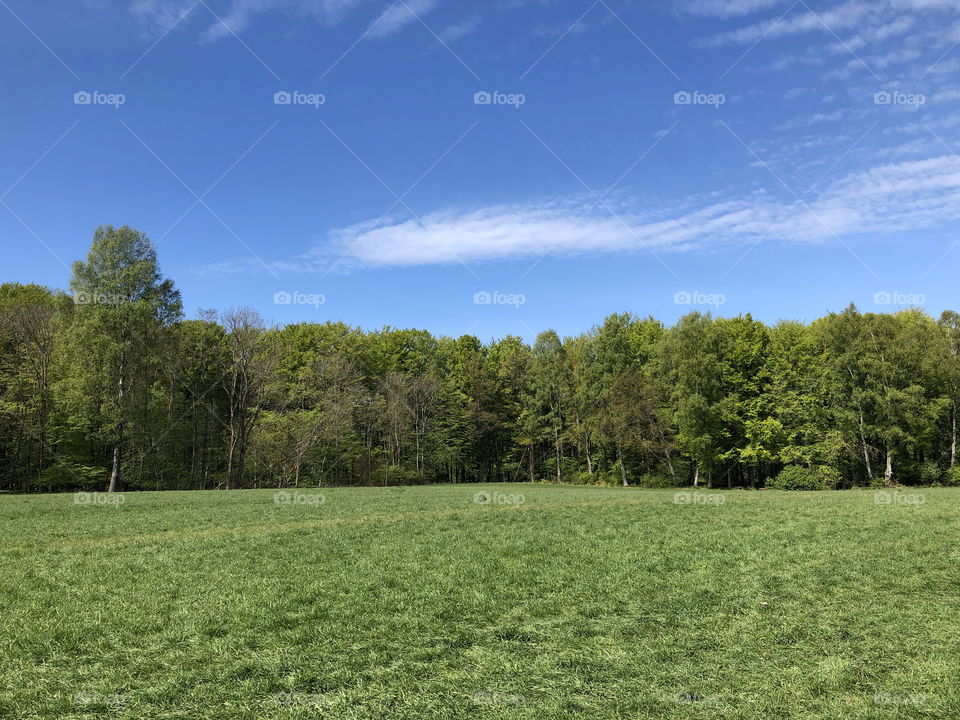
x,y
729,8
160,15
894,197
838,18
452,33
398,16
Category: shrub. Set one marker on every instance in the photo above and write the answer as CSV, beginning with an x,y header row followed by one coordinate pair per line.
x,y
655,481
828,476
582,477
930,472
797,477
952,477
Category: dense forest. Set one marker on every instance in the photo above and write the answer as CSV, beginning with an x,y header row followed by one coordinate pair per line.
x,y
108,386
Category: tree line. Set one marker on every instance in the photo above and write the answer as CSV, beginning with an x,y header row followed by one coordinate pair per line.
x,y
109,386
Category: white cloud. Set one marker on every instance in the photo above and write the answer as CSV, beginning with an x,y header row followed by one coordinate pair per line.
x,y
888,198
842,17
398,16
728,8
238,17
454,32
160,15
794,93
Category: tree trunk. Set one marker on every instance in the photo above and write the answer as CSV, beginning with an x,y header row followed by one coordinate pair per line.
x,y
696,474
866,454
953,434
230,451
623,470
666,451
117,457
118,447
888,473
556,441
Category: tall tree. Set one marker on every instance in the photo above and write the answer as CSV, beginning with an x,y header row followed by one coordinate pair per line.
x,y
247,383
123,304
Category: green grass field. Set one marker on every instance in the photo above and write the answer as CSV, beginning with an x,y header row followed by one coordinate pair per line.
x,y
402,603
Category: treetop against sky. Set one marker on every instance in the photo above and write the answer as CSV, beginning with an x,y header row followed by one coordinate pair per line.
x,y
493,168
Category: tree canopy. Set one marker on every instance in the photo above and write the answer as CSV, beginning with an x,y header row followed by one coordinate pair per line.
x,y
110,386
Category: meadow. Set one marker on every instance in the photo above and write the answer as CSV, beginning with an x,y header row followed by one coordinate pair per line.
x,y
527,601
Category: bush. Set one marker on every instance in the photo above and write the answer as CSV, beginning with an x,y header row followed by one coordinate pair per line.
x,y
828,476
797,477
656,481
397,475
582,477
952,477
930,472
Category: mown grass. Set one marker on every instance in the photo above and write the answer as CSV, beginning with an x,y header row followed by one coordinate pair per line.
x,y
418,603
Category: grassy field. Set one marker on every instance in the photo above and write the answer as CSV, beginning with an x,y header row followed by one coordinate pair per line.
x,y
403,603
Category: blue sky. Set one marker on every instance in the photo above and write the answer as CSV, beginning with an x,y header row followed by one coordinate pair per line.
x,y
492,168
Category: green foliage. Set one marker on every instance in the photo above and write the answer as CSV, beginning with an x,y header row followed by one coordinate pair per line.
x,y
952,477
796,477
113,377
930,472
656,481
